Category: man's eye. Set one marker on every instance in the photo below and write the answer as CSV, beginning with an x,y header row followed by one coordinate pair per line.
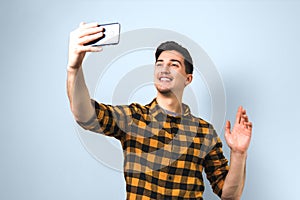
x,y
158,65
174,64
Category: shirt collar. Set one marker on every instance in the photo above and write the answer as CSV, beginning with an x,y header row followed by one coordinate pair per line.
x,y
157,112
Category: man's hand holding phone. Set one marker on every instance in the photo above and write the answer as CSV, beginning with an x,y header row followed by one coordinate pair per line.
x,y
90,37
85,33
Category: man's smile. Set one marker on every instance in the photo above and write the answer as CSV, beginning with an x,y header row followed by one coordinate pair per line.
x,y
165,79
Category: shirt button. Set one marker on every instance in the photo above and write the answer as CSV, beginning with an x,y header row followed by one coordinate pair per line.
x,y
170,177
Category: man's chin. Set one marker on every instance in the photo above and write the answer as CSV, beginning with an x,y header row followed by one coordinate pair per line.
x,y
164,91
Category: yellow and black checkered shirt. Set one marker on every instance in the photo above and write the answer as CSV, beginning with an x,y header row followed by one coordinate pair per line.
x,y
164,155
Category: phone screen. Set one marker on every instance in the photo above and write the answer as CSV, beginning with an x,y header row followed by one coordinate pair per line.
x,y
111,35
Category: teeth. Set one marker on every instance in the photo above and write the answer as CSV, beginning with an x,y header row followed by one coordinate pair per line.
x,y
165,79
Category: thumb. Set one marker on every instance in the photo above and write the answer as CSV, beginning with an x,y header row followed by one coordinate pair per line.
x,y
227,132
227,127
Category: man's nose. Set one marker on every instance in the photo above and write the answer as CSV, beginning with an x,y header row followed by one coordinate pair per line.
x,y
165,68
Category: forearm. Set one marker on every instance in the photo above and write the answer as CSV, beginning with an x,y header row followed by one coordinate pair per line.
x,y
235,178
77,90
78,95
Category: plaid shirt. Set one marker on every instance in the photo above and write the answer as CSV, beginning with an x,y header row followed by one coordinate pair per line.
x,y
164,155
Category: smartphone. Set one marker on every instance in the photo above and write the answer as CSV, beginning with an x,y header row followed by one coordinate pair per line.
x,y
111,35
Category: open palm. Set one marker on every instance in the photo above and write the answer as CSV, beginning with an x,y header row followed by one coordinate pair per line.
x,y
238,139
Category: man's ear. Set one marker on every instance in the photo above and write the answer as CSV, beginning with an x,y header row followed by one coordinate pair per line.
x,y
188,79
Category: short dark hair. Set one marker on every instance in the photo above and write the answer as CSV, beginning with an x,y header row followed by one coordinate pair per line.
x,y
171,45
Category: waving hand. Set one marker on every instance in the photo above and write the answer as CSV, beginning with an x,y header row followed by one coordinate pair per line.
x,y
238,139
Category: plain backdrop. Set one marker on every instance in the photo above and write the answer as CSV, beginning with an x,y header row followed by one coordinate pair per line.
x,y
253,44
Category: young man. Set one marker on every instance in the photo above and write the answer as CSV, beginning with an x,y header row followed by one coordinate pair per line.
x,y
165,147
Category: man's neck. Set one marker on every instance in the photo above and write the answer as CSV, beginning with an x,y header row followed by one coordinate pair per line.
x,y
170,102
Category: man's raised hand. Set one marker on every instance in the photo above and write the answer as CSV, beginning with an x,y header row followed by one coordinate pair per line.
x,y
83,34
238,139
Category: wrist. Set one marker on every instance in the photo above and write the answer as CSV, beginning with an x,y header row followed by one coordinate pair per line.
x,y
238,154
72,69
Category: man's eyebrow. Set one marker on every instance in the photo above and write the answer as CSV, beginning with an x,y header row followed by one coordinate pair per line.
x,y
172,60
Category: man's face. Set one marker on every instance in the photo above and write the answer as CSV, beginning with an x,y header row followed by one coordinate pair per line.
x,y
169,73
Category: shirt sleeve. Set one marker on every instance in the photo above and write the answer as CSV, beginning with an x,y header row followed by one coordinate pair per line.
x,y
108,120
216,166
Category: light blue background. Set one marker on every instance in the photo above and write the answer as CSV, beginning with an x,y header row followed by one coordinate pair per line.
x,y
254,45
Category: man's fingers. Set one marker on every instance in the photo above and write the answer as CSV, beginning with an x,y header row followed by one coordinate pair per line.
x,y
90,31
85,34
92,49
245,117
89,38
78,38
84,25
238,115
89,49
248,125
227,127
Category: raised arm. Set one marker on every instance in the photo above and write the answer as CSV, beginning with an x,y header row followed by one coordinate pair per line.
x,y
238,139
78,93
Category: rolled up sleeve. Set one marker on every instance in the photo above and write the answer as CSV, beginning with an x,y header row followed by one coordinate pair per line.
x,y
216,167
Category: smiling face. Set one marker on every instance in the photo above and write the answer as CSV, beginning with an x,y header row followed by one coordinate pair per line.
x,y
169,74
